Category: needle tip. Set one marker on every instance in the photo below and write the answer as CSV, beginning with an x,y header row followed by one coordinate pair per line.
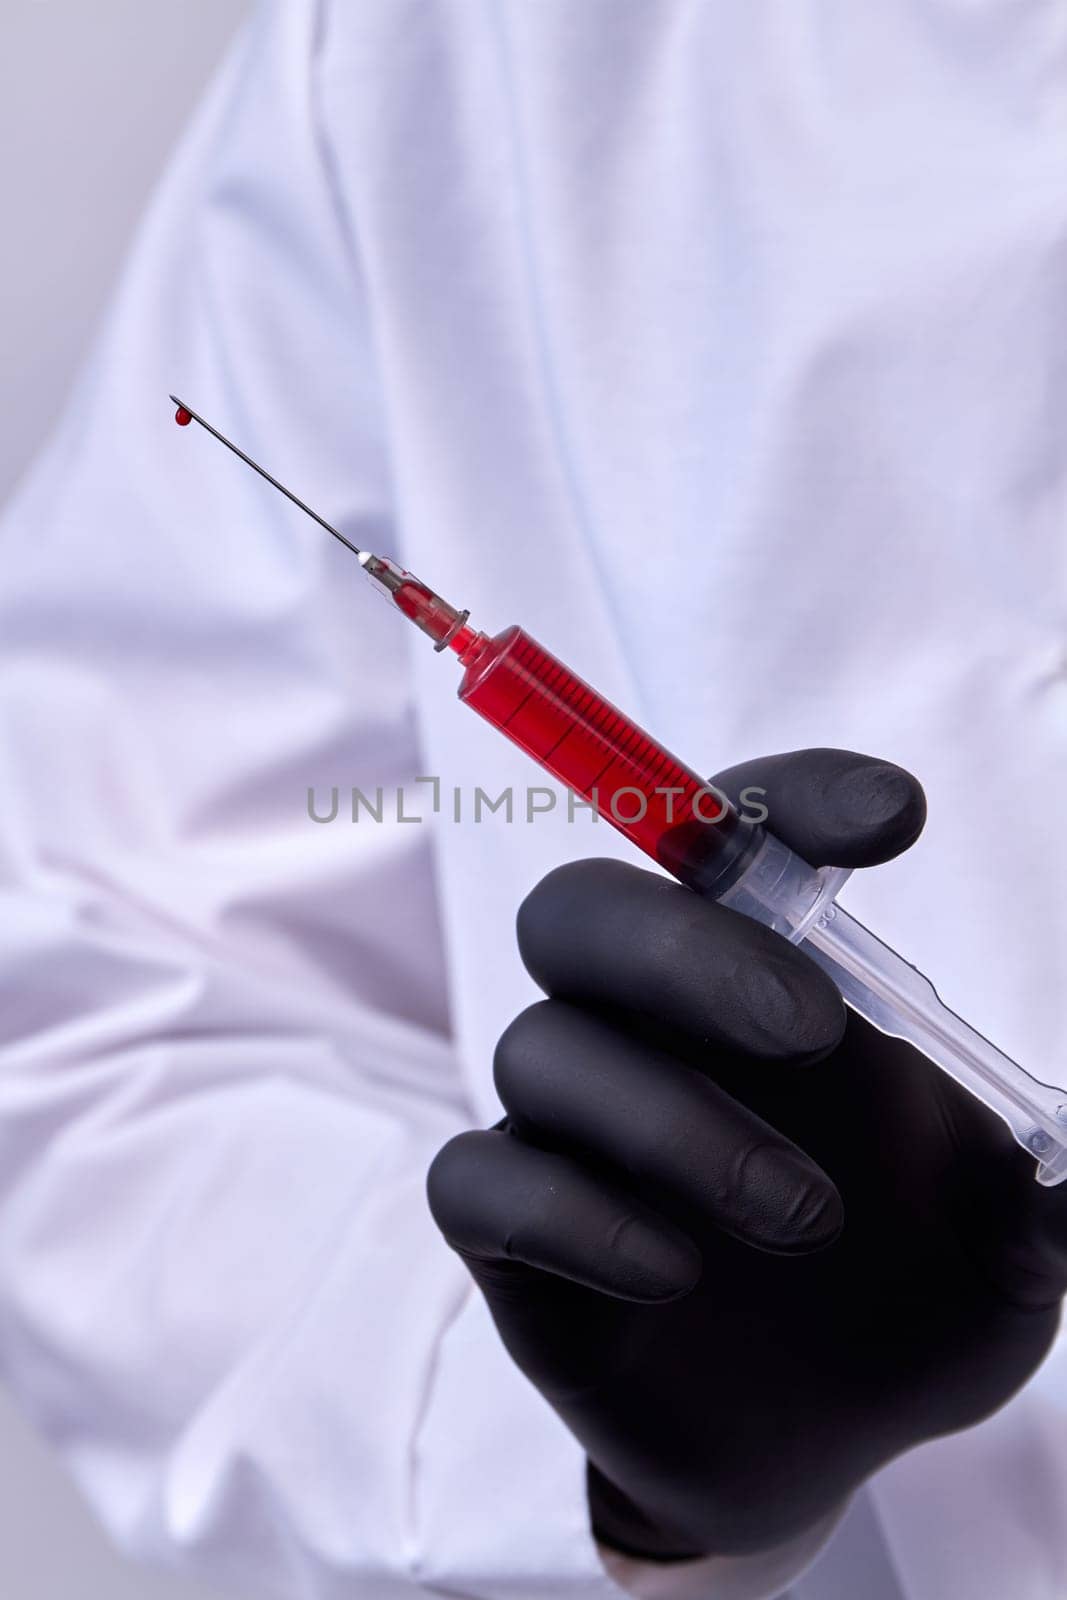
x,y
184,415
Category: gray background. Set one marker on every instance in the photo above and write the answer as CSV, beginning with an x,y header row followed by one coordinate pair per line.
x,y
91,98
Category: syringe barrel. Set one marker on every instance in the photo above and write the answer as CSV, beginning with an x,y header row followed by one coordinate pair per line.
x,y
688,827
661,805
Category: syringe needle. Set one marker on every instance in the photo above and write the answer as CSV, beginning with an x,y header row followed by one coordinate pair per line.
x,y
186,413
443,623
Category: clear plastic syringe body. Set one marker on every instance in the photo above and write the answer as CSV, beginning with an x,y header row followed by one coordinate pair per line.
x,y
688,827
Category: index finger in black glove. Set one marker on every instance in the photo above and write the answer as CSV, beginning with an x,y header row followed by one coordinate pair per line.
x,y
833,807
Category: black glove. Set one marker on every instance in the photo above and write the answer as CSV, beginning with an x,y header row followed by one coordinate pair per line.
x,y
747,1247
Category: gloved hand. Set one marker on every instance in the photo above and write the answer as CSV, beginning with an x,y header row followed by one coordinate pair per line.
x,y
746,1246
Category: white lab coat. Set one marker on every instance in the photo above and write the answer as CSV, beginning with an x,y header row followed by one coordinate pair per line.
x,y
722,345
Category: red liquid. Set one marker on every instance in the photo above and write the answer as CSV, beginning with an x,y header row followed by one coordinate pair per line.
x,y
183,417
592,748
432,614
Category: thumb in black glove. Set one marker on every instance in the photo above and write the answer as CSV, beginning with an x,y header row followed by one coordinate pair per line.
x,y
748,1247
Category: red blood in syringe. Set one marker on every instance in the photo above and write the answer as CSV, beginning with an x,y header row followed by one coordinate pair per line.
x,y
658,802
664,807
429,612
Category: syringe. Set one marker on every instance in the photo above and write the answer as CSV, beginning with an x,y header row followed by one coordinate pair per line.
x,y
693,831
